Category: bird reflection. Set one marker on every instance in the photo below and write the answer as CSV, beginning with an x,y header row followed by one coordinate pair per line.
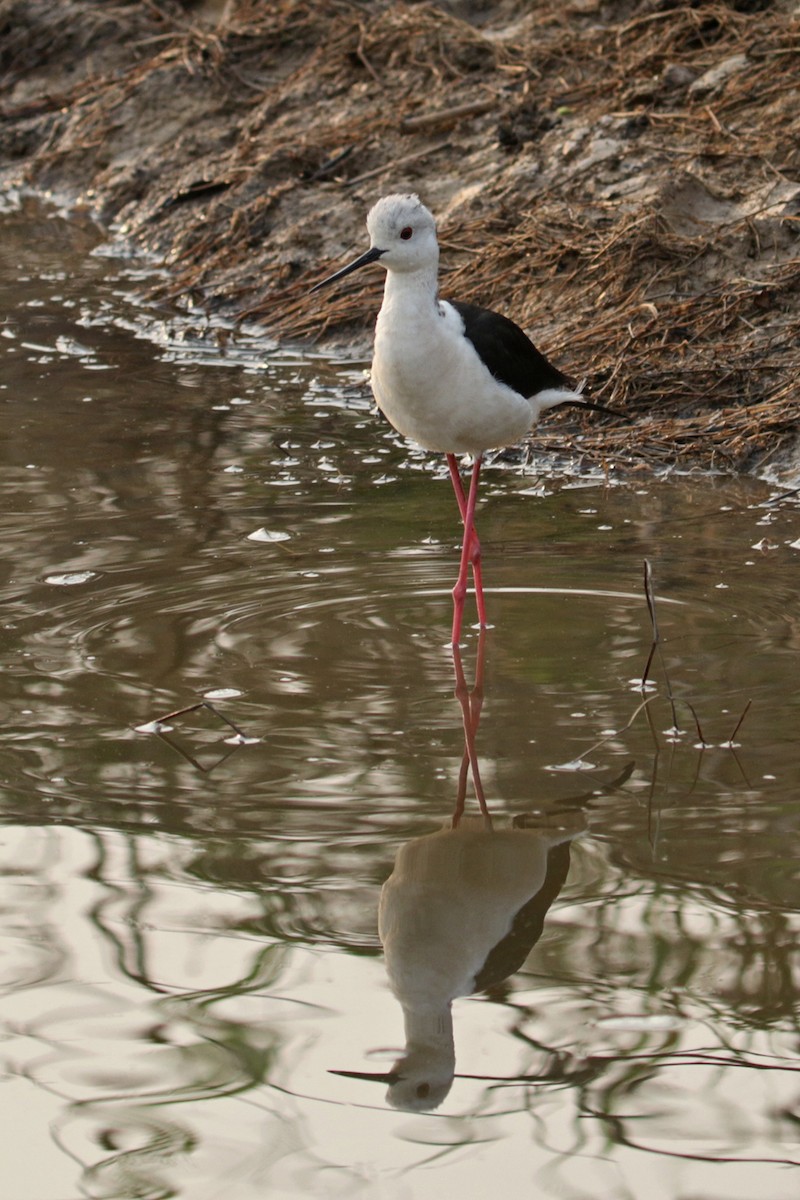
x,y
460,912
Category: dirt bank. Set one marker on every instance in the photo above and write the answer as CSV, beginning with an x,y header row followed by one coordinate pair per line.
x,y
623,177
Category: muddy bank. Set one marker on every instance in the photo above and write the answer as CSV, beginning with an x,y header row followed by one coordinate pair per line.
x,y
622,178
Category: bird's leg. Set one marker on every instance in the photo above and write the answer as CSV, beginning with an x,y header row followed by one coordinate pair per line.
x,y
475,548
471,704
475,709
461,499
460,589
461,794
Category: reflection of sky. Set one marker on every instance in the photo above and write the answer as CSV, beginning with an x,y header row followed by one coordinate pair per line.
x,y
151,1018
189,950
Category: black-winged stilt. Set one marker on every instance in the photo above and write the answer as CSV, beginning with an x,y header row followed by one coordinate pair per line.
x,y
450,376
460,912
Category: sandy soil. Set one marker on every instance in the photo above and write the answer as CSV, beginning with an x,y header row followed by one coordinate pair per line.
x,y
622,178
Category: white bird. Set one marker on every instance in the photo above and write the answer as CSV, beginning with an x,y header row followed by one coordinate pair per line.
x,y
460,912
450,376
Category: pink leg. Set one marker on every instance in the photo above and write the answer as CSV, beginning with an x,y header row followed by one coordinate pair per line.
x,y
461,795
471,704
475,547
460,589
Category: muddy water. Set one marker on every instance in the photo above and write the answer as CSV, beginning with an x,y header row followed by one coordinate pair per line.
x,y
190,933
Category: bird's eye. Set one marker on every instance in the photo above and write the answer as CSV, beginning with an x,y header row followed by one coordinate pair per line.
x,y
406,233
423,1090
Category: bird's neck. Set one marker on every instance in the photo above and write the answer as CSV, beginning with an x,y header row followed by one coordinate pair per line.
x,y
411,293
430,1028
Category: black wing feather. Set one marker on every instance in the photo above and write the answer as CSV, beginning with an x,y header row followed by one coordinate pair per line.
x,y
510,953
509,353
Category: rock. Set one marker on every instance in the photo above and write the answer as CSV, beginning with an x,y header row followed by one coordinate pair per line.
x,y
716,77
677,77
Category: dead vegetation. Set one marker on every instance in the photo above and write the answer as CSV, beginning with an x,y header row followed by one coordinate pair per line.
x,y
623,177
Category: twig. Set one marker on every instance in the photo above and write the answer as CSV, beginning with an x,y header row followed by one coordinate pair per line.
x,y
651,608
397,162
656,645
690,706
179,712
331,164
738,725
610,736
447,116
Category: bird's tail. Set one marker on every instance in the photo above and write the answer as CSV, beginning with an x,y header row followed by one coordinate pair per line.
x,y
550,397
573,397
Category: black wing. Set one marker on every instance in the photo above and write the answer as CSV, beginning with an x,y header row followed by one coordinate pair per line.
x,y
510,953
509,353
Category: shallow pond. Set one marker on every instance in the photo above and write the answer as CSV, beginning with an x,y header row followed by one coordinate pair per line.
x,y
190,945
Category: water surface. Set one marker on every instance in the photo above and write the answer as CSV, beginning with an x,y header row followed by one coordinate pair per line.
x,y
190,942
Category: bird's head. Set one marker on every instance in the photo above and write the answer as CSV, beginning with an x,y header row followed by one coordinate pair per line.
x,y
405,231
418,1082
402,235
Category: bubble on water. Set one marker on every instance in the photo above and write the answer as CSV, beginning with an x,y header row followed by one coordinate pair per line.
x,y
222,694
640,685
577,764
268,535
70,578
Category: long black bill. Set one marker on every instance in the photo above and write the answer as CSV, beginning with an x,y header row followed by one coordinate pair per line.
x,y
389,1077
372,255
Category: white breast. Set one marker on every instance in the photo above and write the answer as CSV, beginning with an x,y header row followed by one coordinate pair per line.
x,y
430,383
450,899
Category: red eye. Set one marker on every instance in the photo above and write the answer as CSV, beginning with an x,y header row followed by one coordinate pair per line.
x,y
406,233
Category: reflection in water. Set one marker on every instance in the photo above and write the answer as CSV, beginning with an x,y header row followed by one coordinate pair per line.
x,y
460,913
190,1015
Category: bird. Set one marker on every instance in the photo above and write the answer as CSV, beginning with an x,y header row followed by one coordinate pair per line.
x,y
459,913
452,377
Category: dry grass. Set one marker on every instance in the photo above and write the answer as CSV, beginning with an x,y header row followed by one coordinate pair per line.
x,y
591,180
